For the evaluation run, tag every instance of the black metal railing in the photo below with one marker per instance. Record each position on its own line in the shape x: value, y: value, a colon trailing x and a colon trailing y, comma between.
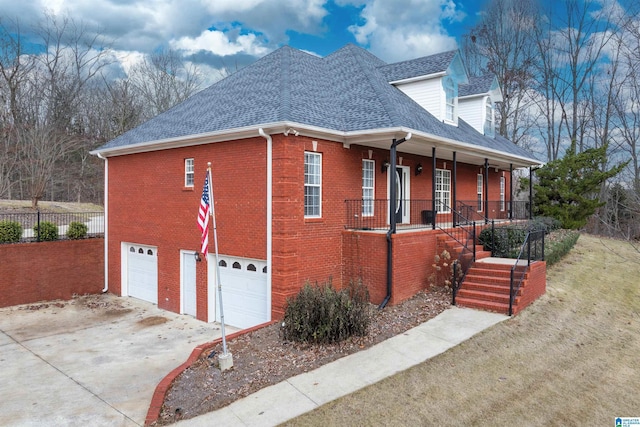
x: 373, y: 214
x: 493, y: 210
x: 533, y: 247
x: 30, y: 220
x: 465, y: 236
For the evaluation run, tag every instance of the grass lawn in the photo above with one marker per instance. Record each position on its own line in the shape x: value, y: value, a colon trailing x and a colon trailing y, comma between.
x: 570, y: 359
x: 14, y: 206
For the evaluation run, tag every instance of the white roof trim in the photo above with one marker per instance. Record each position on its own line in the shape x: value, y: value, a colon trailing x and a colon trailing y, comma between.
x: 418, y: 78
x: 373, y: 137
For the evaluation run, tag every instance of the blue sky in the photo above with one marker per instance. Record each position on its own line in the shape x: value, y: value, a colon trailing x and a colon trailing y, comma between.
x: 218, y: 34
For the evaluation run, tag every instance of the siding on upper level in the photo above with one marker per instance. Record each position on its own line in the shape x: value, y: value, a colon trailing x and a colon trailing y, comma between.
x: 429, y: 94
x: 472, y: 111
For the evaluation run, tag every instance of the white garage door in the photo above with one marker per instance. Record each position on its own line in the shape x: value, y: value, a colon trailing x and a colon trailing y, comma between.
x: 142, y: 272
x: 244, y: 290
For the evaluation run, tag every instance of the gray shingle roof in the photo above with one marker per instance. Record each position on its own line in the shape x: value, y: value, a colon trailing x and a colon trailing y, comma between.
x: 477, y: 85
x: 345, y: 91
x: 418, y: 67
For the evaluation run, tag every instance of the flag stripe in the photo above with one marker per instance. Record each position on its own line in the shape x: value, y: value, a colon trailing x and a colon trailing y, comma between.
x: 203, y: 216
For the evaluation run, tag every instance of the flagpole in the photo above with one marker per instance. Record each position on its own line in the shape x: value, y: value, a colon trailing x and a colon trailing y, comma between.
x: 226, y: 357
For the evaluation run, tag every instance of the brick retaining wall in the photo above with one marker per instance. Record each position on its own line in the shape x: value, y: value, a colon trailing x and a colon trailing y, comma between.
x: 45, y: 271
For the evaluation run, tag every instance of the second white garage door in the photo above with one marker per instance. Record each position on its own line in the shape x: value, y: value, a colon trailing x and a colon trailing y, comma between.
x: 244, y: 290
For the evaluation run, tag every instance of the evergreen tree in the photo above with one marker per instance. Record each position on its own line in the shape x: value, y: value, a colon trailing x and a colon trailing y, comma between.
x: 567, y: 189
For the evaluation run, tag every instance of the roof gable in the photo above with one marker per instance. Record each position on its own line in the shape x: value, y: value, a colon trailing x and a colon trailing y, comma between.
x: 481, y: 86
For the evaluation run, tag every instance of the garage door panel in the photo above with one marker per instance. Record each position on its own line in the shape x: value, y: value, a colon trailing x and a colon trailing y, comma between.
x: 142, y: 273
x: 244, y: 292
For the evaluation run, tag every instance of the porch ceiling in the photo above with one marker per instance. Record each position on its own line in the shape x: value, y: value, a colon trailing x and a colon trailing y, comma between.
x: 422, y: 145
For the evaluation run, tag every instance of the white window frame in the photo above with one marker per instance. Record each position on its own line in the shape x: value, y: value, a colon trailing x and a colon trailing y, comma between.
x: 450, y: 100
x: 189, y: 172
x: 489, y: 120
x: 443, y: 176
x: 479, y: 189
x: 312, y: 185
x: 502, y: 194
x: 368, y: 187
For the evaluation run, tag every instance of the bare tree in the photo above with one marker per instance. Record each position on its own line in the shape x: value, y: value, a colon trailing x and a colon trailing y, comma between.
x: 163, y: 80
x: 41, y: 146
x: 15, y: 67
x: 503, y: 44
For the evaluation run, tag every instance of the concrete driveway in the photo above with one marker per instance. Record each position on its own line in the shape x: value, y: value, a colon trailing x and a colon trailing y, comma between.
x: 95, y: 360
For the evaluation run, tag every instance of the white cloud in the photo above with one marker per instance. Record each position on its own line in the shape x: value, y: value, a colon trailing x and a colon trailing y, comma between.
x: 218, y: 42
x: 406, y: 29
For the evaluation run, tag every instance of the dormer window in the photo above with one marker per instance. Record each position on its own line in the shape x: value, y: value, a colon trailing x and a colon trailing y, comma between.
x: 489, y: 122
x: 450, y: 95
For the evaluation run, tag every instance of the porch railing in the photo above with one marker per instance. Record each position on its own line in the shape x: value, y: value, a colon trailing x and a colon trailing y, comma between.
x: 494, y: 209
x: 373, y: 214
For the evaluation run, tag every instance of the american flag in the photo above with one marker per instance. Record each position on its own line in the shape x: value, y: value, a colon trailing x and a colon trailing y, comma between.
x: 203, y: 216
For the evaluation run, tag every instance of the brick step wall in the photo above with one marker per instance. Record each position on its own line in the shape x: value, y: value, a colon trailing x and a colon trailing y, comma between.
x: 487, y: 284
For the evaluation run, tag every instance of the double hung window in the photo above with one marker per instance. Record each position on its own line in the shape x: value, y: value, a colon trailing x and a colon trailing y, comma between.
x: 443, y: 190
x: 367, y: 187
x: 479, y: 192
x: 312, y: 185
x: 188, y: 172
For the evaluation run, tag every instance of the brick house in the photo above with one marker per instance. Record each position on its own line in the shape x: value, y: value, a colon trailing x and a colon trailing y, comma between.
x: 300, y: 148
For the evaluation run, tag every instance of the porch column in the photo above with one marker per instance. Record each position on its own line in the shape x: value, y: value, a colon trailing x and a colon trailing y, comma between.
x: 392, y: 184
x: 530, y: 192
x: 510, y: 191
x: 453, y: 190
x: 433, y: 188
x: 486, y: 190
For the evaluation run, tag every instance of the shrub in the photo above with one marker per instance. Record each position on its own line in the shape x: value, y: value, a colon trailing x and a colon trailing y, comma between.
x: 321, y: 314
x: 77, y: 230
x: 47, y: 231
x: 558, y: 245
x: 505, y: 241
x: 442, y: 275
x: 10, y: 231
x: 546, y: 223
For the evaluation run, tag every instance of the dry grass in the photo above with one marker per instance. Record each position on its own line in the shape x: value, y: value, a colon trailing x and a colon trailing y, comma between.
x: 569, y: 359
x: 15, y: 206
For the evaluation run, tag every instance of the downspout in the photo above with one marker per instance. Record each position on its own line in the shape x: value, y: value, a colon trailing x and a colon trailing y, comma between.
x: 269, y: 213
x: 392, y: 215
x: 106, y: 223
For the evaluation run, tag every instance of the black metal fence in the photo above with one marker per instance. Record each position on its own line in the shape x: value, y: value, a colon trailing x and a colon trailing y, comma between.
x: 30, y: 220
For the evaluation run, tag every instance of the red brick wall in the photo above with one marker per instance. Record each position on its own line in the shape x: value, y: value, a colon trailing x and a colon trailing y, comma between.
x: 535, y: 285
x: 413, y: 255
x: 365, y: 257
x: 31, y: 272
x: 149, y: 205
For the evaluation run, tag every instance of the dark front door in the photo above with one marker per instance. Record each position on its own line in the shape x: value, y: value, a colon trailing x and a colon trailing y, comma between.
x: 399, y: 195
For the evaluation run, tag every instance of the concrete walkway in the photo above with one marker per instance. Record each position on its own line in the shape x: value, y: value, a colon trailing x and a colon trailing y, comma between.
x: 95, y: 361
x: 295, y: 396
